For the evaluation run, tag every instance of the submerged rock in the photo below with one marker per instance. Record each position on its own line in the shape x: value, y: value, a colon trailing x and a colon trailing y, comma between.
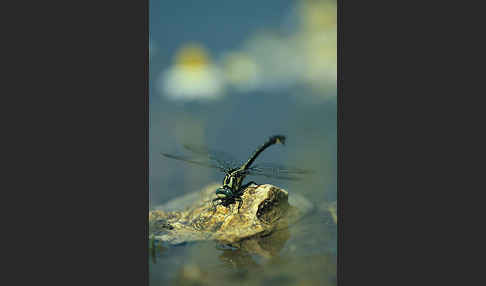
x: 265, y: 209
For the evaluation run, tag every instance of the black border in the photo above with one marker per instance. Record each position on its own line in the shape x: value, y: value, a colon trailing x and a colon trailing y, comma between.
x: 82, y: 143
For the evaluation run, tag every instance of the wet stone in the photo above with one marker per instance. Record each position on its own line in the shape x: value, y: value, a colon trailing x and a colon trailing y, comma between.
x: 265, y: 209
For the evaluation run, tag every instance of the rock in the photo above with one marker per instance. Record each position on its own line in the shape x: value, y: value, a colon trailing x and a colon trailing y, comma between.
x: 265, y: 209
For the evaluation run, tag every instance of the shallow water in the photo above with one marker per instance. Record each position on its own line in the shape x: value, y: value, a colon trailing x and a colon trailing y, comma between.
x: 304, y: 254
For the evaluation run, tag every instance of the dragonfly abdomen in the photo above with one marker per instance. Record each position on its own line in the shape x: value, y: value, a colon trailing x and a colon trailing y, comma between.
x: 272, y: 140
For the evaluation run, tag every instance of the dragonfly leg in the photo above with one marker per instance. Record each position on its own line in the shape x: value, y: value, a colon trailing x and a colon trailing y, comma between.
x: 240, y: 202
x: 213, y: 206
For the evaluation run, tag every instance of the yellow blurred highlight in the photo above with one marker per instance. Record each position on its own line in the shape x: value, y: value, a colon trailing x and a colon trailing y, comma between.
x: 192, y: 76
x: 317, y: 40
x: 268, y: 60
x: 192, y: 55
x: 317, y: 15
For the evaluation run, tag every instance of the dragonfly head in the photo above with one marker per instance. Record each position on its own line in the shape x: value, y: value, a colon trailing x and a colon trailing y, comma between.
x: 223, y: 192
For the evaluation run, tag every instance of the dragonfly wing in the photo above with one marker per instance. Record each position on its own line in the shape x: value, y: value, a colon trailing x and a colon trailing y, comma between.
x: 272, y: 175
x: 277, y: 171
x: 280, y: 169
x: 194, y: 161
x: 224, y: 159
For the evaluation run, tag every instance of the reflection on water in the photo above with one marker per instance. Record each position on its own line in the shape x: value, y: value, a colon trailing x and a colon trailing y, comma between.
x: 298, y: 255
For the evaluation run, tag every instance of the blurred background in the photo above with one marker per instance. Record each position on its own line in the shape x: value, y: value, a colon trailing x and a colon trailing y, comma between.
x: 229, y: 74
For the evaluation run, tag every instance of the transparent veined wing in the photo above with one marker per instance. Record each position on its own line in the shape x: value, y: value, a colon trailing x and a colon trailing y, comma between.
x: 223, y: 159
x: 277, y: 171
x: 196, y: 161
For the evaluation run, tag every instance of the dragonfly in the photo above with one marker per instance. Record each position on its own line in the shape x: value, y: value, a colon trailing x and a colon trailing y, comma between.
x: 235, y: 171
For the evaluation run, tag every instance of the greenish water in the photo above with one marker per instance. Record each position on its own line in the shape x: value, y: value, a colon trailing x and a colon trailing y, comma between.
x: 304, y: 254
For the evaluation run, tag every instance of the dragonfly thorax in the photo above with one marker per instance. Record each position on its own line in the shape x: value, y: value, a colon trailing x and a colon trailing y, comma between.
x: 233, y: 180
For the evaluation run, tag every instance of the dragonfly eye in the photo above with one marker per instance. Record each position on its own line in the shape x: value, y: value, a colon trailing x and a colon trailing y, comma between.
x: 222, y: 193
